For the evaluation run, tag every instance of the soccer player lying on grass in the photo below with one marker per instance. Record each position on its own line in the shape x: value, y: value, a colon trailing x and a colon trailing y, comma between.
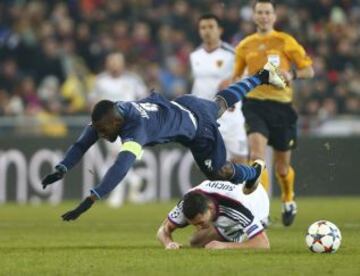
x: 188, y: 120
x: 224, y: 217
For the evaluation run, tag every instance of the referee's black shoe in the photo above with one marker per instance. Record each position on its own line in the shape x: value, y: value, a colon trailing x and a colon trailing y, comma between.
x: 251, y: 185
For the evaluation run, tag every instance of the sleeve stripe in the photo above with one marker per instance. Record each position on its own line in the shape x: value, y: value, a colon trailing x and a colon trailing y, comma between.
x: 95, y: 193
x: 133, y: 147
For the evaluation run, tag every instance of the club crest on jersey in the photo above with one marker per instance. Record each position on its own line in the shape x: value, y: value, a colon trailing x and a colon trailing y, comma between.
x: 219, y: 63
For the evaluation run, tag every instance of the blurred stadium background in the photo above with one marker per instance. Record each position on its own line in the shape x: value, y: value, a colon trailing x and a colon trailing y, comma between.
x: 51, y: 53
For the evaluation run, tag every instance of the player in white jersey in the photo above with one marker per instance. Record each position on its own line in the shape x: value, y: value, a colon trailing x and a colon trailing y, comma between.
x: 211, y: 64
x: 223, y: 215
x: 116, y: 84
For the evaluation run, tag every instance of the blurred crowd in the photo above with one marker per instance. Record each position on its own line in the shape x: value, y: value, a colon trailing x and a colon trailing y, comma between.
x: 52, y: 51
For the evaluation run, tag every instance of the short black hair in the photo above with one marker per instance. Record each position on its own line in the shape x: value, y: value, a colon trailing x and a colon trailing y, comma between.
x: 272, y: 2
x: 194, y: 203
x: 207, y: 16
x: 101, y: 109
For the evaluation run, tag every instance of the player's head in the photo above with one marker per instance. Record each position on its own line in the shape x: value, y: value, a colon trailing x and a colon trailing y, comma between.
x: 210, y: 29
x: 264, y: 15
x: 106, y: 120
x: 115, y: 63
x: 198, y: 209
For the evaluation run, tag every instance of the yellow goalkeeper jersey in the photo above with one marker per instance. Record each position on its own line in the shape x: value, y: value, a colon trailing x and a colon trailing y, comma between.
x: 281, y: 49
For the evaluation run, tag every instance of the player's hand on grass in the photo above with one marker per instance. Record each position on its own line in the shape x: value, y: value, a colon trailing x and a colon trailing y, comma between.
x: 59, y: 173
x: 215, y: 245
x: 83, y: 207
x: 173, y: 245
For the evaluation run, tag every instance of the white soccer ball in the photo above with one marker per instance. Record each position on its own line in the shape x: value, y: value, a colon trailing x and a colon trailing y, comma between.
x: 323, y: 237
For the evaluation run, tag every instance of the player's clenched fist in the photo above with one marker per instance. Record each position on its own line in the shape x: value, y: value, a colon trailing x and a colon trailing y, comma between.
x: 173, y: 245
x: 59, y: 173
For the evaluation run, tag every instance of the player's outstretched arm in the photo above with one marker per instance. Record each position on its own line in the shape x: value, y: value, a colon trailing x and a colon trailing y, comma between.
x: 113, y: 177
x: 115, y: 174
x: 164, y: 235
x: 87, y: 138
x: 260, y: 241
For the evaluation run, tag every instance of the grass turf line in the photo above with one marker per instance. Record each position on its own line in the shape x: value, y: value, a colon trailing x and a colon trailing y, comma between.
x: 104, y: 241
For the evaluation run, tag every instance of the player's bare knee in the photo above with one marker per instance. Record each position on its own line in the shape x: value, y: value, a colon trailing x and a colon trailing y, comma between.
x: 282, y: 169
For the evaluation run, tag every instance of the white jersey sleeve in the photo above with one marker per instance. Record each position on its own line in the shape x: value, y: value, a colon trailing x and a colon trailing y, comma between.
x: 176, y: 215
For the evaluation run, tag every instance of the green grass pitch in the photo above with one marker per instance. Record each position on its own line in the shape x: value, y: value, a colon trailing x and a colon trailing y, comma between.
x: 104, y: 241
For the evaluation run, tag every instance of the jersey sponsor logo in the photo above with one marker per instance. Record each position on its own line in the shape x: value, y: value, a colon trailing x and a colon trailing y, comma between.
x: 150, y: 107
x: 143, y: 108
x: 142, y: 111
x: 221, y: 186
x: 274, y: 59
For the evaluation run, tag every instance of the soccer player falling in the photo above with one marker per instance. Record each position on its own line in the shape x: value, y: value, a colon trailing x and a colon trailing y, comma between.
x: 188, y: 120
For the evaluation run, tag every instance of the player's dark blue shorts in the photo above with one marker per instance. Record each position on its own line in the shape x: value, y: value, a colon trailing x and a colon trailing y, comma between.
x: 208, y: 146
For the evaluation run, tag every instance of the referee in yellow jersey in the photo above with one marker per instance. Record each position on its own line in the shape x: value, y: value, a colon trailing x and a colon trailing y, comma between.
x: 269, y: 115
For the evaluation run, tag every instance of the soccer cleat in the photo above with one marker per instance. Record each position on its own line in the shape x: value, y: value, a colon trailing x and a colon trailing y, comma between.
x: 288, y: 211
x: 251, y: 185
x: 275, y: 77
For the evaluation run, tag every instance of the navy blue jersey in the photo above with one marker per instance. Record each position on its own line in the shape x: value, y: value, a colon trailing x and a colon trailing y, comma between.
x: 188, y: 120
x: 155, y: 120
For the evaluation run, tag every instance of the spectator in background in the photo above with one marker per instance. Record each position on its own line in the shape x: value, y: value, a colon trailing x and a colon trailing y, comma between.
x: 172, y: 82
x: 118, y: 84
x: 28, y: 93
x: 9, y: 75
x: 75, y: 89
x: 49, y: 63
x: 163, y: 30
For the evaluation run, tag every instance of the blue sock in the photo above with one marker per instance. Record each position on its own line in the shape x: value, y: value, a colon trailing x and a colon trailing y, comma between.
x: 242, y: 173
x: 237, y: 91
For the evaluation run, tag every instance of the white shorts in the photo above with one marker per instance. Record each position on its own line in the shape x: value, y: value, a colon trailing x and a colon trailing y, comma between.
x: 232, y: 129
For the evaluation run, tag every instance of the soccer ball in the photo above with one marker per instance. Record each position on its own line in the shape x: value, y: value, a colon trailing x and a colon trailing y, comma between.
x: 323, y: 237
